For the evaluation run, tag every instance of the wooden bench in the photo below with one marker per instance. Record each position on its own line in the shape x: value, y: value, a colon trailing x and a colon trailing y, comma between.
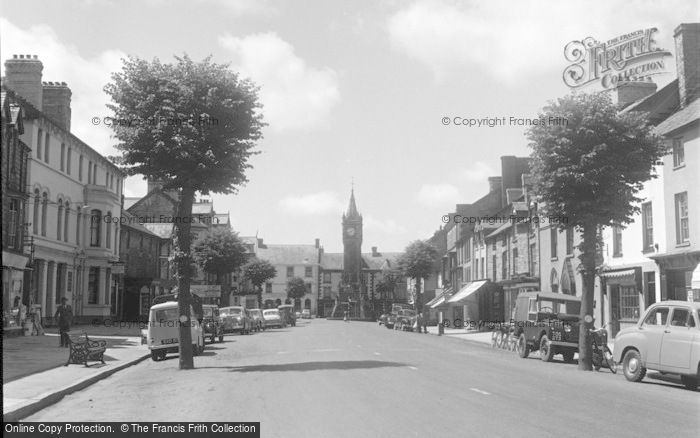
x: 82, y: 350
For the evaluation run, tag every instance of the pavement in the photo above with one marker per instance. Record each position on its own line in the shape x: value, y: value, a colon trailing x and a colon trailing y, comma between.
x: 332, y: 378
x: 34, y: 375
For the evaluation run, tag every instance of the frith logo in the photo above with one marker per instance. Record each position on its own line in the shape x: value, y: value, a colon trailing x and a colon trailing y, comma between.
x: 630, y: 57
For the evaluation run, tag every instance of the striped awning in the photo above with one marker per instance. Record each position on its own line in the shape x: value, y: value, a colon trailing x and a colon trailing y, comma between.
x: 467, y: 290
x: 627, y: 273
x: 436, y: 302
x: 695, y: 279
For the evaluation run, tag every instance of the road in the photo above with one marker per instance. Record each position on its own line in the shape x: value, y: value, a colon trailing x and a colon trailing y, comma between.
x: 335, y: 379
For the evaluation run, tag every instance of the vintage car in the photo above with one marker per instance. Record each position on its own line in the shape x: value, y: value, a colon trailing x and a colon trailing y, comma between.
x: 306, y: 314
x: 257, y: 319
x: 163, y: 335
x: 548, y: 322
x: 212, y: 323
x: 405, y: 320
x: 272, y: 318
x: 666, y: 339
x: 382, y: 318
x: 288, y: 315
x: 391, y: 320
x: 235, y: 319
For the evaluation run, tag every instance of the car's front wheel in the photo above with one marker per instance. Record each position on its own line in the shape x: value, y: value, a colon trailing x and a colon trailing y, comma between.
x: 523, y: 348
x: 546, y: 349
x: 632, y: 366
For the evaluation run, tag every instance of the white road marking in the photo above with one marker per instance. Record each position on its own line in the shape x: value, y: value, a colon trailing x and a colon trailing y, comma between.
x: 377, y: 354
x: 323, y: 350
x: 281, y: 352
x: 413, y: 368
x: 480, y: 391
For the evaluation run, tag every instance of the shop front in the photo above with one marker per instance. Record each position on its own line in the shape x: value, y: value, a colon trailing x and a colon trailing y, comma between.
x: 623, y: 299
x: 677, y: 272
x: 14, y: 303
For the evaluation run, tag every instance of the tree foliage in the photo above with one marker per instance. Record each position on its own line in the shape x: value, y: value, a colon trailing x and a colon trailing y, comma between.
x: 219, y: 251
x: 588, y: 172
x: 258, y: 271
x: 418, y: 259
x: 296, y: 288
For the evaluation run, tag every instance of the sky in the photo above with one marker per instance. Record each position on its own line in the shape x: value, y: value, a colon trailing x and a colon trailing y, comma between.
x: 353, y: 91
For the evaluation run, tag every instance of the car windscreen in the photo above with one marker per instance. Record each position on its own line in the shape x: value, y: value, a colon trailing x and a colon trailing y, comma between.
x: 164, y: 315
x: 231, y: 312
x: 271, y: 313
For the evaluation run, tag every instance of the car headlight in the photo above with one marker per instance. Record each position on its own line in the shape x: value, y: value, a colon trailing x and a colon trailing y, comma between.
x: 567, y: 328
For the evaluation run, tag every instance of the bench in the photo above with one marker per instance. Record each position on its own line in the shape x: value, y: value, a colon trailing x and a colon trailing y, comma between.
x: 82, y: 350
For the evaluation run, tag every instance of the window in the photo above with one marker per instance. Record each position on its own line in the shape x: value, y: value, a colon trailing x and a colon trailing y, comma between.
x: 89, y: 172
x: 678, y: 153
x: 65, y: 222
x: 657, y: 317
x: 68, y: 160
x: 629, y: 303
x: 44, y: 207
x: 63, y: 157
x: 647, y: 227
x: 476, y: 267
x: 268, y: 288
x: 682, y: 318
x: 164, y: 269
x: 290, y: 271
x: 326, y: 277
x: 569, y: 241
x: 106, y: 179
x: 93, y: 281
x: 38, y: 143
x: 94, y: 173
x: 12, y: 226
x: 35, y: 220
x: 69, y: 281
x: 533, y: 260
x: 553, y: 236
x: 515, y: 261
x: 617, y: 241
x: 95, y: 220
x: 554, y: 281
x: 47, y: 140
x: 59, y: 220
x: 308, y: 288
x: 80, y: 168
x: 493, y: 268
x: 326, y: 291
x: 108, y: 230
x: 77, y: 226
x: 308, y: 271
x: 650, y: 280
x: 504, y: 265
x: 682, y: 231
x: 483, y: 267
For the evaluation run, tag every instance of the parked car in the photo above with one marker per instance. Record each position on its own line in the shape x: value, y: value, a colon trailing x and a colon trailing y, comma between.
x: 212, y: 323
x: 256, y: 317
x: 405, y: 319
x: 288, y: 315
x: 548, y: 322
x: 391, y: 320
x: 235, y: 319
x: 306, y: 314
x: 164, y: 331
x: 382, y: 319
x: 272, y: 318
x: 666, y: 339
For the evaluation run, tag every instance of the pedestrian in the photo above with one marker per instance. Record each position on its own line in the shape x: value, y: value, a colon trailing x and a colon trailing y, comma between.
x: 425, y: 324
x: 64, y: 317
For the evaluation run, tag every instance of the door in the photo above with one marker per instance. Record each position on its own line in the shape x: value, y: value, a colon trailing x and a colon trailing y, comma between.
x: 614, y: 309
x: 653, y: 330
x: 677, y: 340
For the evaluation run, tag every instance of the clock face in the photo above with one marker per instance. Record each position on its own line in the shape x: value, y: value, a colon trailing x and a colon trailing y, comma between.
x: 350, y: 231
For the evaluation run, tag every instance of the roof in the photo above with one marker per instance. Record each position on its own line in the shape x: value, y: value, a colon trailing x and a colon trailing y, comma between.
x: 289, y: 254
x: 205, y: 207
x: 352, y: 207
x: 128, y: 202
x: 222, y: 219
x: 679, y: 119
x: 164, y: 230
x: 132, y: 222
x: 332, y: 261
x: 384, y: 260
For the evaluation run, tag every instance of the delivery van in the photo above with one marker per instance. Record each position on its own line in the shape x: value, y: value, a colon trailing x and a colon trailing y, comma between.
x: 163, y: 331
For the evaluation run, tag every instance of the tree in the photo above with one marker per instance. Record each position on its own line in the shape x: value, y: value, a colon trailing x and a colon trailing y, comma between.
x: 417, y: 263
x: 588, y: 172
x: 258, y: 271
x: 192, y: 126
x: 296, y: 288
x: 387, y: 285
x: 219, y: 252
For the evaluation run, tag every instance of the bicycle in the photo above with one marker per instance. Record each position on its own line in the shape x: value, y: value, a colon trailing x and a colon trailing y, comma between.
x: 600, y: 352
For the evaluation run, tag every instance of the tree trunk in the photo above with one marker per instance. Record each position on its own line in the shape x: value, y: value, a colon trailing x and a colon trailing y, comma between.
x: 418, y: 302
x: 588, y: 256
x: 184, y: 266
x: 259, y: 294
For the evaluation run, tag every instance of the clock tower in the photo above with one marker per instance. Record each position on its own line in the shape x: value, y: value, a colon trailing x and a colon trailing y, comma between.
x: 352, y: 245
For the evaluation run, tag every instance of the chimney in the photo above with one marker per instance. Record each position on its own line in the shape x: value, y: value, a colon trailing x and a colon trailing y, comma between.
x: 495, y: 183
x: 512, y: 195
x: 317, y: 242
x: 512, y: 170
x: 23, y: 76
x: 56, y: 103
x: 687, y: 37
x: 632, y: 91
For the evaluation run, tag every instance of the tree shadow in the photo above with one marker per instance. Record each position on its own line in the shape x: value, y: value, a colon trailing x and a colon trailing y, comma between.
x: 313, y: 366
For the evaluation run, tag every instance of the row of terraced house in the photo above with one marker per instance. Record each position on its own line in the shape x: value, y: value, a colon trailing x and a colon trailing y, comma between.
x: 487, y: 262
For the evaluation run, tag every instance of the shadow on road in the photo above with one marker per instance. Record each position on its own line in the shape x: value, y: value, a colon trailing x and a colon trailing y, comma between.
x: 662, y: 379
x: 314, y: 366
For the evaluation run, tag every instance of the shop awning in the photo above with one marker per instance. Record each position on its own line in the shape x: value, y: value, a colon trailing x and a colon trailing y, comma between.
x: 627, y: 273
x: 436, y: 301
x: 467, y: 290
x: 695, y: 279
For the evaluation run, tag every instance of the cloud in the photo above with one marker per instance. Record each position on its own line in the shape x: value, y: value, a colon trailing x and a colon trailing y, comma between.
x: 387, y: 226
x: 295, y: 96
x: 506, y: 39
x: 438, y: 194
x: 477, y: 172
x: 244, y: 7
x: 320, y: 203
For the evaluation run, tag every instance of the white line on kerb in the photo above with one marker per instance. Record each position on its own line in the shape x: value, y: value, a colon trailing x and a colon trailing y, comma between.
x: 480, y: 391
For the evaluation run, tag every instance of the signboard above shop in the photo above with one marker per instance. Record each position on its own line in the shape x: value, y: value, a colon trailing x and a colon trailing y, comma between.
x: 206, y: 290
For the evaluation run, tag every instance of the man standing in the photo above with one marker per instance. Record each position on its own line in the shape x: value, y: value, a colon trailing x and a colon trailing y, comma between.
x: 64, y: 316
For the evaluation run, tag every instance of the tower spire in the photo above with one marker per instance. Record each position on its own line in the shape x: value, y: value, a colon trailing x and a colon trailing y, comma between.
x: 352, y: 207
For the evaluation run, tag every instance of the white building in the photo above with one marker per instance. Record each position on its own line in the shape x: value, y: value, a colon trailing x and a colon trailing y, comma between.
x: 74, y: 194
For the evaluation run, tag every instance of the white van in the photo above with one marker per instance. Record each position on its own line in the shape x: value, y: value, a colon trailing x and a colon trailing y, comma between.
x: 163, y: 331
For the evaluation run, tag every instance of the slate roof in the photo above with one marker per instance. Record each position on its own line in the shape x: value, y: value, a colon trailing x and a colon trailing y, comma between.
x: 161, y: 229
x: 128, y: 202
x: 203, y: 208
x: 388, y: 260
x: 289, y: 254
x: 689, y: 114
x: 222, y: 219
